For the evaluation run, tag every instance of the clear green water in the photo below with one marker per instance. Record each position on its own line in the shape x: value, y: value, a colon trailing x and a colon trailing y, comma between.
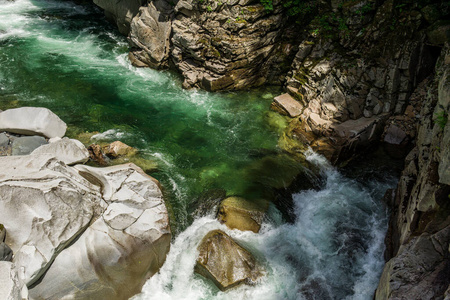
x: 68, y: 58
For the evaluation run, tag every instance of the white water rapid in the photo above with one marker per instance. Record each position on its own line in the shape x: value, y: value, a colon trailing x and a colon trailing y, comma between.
x: 334, y: 250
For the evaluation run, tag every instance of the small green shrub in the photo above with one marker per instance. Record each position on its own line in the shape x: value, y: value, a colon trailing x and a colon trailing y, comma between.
x: 441, y: 119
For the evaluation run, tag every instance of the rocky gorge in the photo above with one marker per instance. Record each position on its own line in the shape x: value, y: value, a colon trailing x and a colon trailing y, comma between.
x: 355, y: 75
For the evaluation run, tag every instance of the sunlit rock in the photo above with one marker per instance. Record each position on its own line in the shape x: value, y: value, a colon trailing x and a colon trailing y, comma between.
x: 69, y: 151
x: 117, y: 148
x: 11, y: 286
x: 95, y: 233
x: 114, y: 257
x: 32, y: 121
x: 242, y: 214
x: 226, y: 263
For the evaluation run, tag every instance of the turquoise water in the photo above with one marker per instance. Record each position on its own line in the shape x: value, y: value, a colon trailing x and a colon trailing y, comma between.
x: 66, y: 57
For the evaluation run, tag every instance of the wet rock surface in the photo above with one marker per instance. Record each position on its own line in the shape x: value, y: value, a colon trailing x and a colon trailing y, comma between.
x: 225, y: 262
x: 242, y: 214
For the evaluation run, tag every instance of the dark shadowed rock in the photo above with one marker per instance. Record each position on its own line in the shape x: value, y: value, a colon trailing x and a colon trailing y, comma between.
x: 6, y: 253
x: 27, y: 144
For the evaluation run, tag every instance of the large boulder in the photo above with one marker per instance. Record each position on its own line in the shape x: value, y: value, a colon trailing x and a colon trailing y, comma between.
x: 150, y: 35
x: 55, y: 205
x: 11, y: 287
x: 67, y: 150
x: 32, y: 121
x: 94, y: 233
x: 114, y: 257
x: 226, y: 263
x: 242, y: 214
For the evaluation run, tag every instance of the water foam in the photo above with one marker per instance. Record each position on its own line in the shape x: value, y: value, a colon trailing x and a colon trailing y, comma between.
x: 332, y: 251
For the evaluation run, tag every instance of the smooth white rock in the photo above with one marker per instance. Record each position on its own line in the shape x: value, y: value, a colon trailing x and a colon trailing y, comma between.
x: 31, y: 121
x: 118, y: 252
x: 69, y: 151
x: 44, y: 205
x: 11, y: 287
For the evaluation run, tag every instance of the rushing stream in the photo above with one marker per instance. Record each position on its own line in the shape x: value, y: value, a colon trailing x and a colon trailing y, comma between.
x: 66, y: 57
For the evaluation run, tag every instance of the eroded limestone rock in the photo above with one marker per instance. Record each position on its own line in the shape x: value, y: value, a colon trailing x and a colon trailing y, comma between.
x: 225, y: 262
x: 67, y: 150
x: 116, y: 254
x: 55, y: 206
x: 11, y: 286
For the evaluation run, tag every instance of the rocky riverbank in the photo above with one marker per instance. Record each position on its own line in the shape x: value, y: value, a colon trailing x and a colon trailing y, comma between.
x: 67, y: 229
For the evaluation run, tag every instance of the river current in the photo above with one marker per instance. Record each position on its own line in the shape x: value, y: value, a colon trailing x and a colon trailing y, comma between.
x: 65, y: 56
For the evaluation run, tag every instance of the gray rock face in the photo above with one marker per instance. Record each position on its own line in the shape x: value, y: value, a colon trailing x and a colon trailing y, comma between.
x: 418, y: 239
x: 225, y: 262
x: 419, y: 269
x: 150, y: 35
x: 27, y: 144
x: 32, y: 121
x: 360, y: 71
x: 11, y: 287
x: 120, y: 12
x: 216, y: 45
x: 69, y: 151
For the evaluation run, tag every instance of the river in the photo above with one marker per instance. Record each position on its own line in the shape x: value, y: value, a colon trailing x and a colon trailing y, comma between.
x: 65, y: 56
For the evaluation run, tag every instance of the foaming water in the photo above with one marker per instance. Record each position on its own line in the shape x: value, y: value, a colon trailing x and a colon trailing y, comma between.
x: 334, y: 249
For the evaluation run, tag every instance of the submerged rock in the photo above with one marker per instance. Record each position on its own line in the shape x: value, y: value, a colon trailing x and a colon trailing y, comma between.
x: 226, y: 263
x: 117, y: 148
x: 67, y: 150
x: 32, y: 121
x: 242, y: 214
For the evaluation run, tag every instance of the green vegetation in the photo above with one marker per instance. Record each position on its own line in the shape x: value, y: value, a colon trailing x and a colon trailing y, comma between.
x: 441, y: 119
